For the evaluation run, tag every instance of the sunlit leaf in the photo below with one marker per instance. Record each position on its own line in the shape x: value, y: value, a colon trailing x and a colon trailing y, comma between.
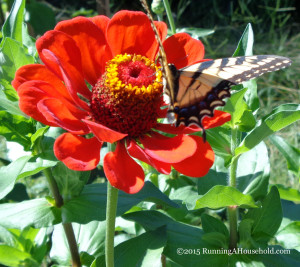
x: 291, y: 153
x: 16, y: 128
x: 288, y: 193
x: 245, y: 45
x: 36, y: 213
x: 70, y: 183
x: 289, y: 236
x: 144, y: 250
x: 253, y: 171
x: 91, y: 204
x: 12, y: 56
x: 13, y: 24
x: 279, y: 118
x: 223, y: 196
x: 89, y: 237
x: 267, y: 219
x: 185, y: 245
x: 34, y: 166
x: 9, y: 174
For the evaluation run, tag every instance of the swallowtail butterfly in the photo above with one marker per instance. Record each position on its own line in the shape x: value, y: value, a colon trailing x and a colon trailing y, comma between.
x: 195, y: 91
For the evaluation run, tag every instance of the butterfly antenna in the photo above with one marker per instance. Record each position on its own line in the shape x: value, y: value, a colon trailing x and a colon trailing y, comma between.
x: 167, y: 74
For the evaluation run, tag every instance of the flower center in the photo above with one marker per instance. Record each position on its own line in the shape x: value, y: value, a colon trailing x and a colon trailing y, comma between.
x: 128, y: 96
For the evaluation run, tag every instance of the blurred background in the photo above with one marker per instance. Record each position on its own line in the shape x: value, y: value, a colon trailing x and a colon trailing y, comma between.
x: 219, y: 25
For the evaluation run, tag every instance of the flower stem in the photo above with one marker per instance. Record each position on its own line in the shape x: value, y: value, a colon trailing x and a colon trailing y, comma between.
x: 170, y: 17
x: 67, y: 226
x: 53, y: 188
x: 72, y: 244
x: 232, y: 211
x: 111, y: 209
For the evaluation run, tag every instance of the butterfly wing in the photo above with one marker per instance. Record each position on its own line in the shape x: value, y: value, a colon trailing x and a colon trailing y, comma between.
x: 203, y: 86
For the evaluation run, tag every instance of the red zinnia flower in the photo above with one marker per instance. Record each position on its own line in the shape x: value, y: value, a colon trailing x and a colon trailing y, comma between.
x: 115, y: 58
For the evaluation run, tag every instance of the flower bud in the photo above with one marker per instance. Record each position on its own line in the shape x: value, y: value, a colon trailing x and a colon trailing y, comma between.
x: 157, y: 7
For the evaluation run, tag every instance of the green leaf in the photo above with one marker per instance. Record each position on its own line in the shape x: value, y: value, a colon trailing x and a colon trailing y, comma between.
x: 8, y: 90
x: 251, y: 96
x: 267, y: 219
x: 8, y: 238
x: 46, y: 143
x: 185, y: 245
x: 9, y: 106
x: 279, y: 118
x: 38, y: 135
x: 253, y: 172
x: 245, y: 45
x: 13, y: 24
x: 9, y: 174
x: 187, y: 194
x: 241, y: 115
x: 288, y: 193
x: 244, y: 231
x: 291, y: 153
x: 245, y: 48
x: 16, y: 128
x: 89, y: 237
x: 289, y: 236
x: 91, y: 203
x: 14, y: 258
x: 272, y: 257
x: 34, y: 166
x: 144, y: 250
x: 12, y: 56
x: 196, y: 32
x: 41, y: 17
x: 236, y: 106
x: 216, y: 239
x: 223, y: 196
x: 217, y: 175
x: 70, y: 183
x: 290, y: 210
x: 211, y: 224
x: 219, y: 139
x: 36, y: 213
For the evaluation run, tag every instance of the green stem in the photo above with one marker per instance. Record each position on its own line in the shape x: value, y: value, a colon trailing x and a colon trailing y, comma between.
x: 232, y: 211
x: 111, y: 210
x: 54, y: 188
x: 67, y: 226
x: 170, y: 17
x: 232, y: 216
x: 72, y: 244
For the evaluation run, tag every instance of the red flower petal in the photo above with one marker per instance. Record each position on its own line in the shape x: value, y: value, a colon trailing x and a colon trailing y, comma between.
x: 104, y: 133
x: 137, y: 152
x: 101, y: 22
x: 60, y: 53
x: 122, y: 171
x: 219, y: 118
x: 162, y: 29
x: 172, y: 129
x: 169, y: 150
x: 92, y: 44
x: 183, y: 50
x: 76, y: 152
x: 56, y: 112
x: 31, y: 94
x: 131, y: 32
x: 199, y: 164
